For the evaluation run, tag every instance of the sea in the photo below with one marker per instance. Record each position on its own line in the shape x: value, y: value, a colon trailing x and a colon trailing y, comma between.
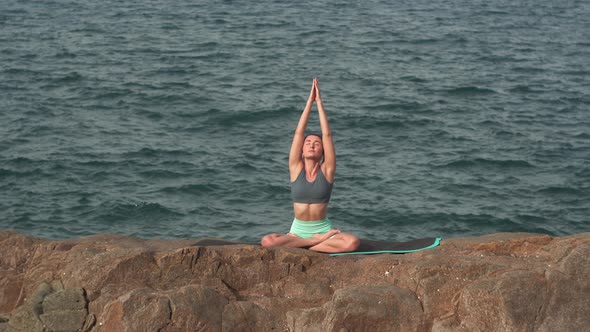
x: 174, y: 119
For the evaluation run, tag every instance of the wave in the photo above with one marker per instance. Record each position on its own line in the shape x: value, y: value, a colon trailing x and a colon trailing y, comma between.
x: 577, y: 72
x: 423, y: 41
x: 113, y: 211
x: 161, y: 174
x: 109, y: 93
x: 414, y: 79
x: 582, y: 136
x: 20, y: 71
x: 371, y: 123
x: 524, y: 89
x: 244, y: 118
x: 197, y: 189
x: 529, y: 70
x: 558, y: 190
x: 7, y: 173
x: 463, y: 187
x: 155, y: 153
x: 400, y: 106
x: 384, y: 122
x: 244, y: 167
x: 65, y: 54
x: 487, y: 163
x: 90, y: 29
x: 467, y: 91
x: 170, y: 26
x: 71, y: 77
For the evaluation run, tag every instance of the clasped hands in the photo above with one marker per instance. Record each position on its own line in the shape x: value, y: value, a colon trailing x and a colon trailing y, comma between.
x: 314, y: 94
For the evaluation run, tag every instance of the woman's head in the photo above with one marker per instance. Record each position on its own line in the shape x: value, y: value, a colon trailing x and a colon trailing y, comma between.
x: 313, y: 147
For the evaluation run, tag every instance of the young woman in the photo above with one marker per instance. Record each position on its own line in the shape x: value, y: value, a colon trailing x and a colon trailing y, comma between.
x: 312, y: 164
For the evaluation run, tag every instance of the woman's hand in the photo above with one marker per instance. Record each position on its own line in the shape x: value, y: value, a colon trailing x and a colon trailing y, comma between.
x: 316, y: 87
x: 326, y: 236
x: 312, y: 93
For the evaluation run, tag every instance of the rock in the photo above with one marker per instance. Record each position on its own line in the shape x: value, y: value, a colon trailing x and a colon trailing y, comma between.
x: 25, y: 319
x: 64, y: 320
x: 142, y: 309
x: 48, y: 309
x: 4, y: 327
x: 373, y: 308
x: 509, y: 302
x: 498, y: 282
x: 362, y: 308
x: 568, y: 305
x: 183, y: 309
x: 196, y: 306
x: 65, y: 299
x: 64, y: 310
x: 242, y: 316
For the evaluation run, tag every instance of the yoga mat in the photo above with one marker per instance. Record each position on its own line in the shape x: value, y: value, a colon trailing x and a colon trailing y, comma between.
x: 366, y: 247
x: 370, y: 247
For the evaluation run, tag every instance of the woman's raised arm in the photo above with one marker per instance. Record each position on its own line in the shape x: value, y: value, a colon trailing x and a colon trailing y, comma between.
x: 329, y: 165
x: 295, y: 161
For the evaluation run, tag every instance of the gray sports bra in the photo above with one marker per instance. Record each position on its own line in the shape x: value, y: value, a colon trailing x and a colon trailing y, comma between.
x: 318, y: 191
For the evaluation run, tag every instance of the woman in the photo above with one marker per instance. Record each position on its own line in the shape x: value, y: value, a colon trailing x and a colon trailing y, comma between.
x: 311, y: 188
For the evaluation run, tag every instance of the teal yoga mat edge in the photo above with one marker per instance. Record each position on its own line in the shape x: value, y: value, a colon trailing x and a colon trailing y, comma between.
x: 434, y: 244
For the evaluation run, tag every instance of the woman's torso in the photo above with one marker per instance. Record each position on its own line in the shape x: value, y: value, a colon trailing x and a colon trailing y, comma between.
x: 310, y: 212
x: 311, y: 195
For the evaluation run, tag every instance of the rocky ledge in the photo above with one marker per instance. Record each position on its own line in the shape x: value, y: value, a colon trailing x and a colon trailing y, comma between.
x: 500, y: 282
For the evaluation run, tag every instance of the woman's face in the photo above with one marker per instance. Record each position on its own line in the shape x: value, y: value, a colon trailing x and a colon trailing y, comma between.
x: 313, y: 148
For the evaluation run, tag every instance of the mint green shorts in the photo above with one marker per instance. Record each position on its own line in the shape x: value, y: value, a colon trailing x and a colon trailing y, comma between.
x: 306, y: 229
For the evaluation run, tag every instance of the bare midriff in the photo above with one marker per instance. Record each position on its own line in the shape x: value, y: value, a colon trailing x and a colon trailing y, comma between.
x: 310, y: 212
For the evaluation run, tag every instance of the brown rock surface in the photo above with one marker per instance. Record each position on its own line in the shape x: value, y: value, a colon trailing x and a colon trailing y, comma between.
x: 499, y: 282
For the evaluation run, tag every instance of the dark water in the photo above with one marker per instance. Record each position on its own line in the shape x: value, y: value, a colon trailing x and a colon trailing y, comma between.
x: 174, y: 119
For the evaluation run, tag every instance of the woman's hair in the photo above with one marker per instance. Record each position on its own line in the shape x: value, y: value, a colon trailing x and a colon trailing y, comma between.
x: 313, y: 134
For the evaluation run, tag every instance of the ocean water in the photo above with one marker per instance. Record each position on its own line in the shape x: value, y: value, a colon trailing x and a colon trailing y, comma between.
x: 174, y: 119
